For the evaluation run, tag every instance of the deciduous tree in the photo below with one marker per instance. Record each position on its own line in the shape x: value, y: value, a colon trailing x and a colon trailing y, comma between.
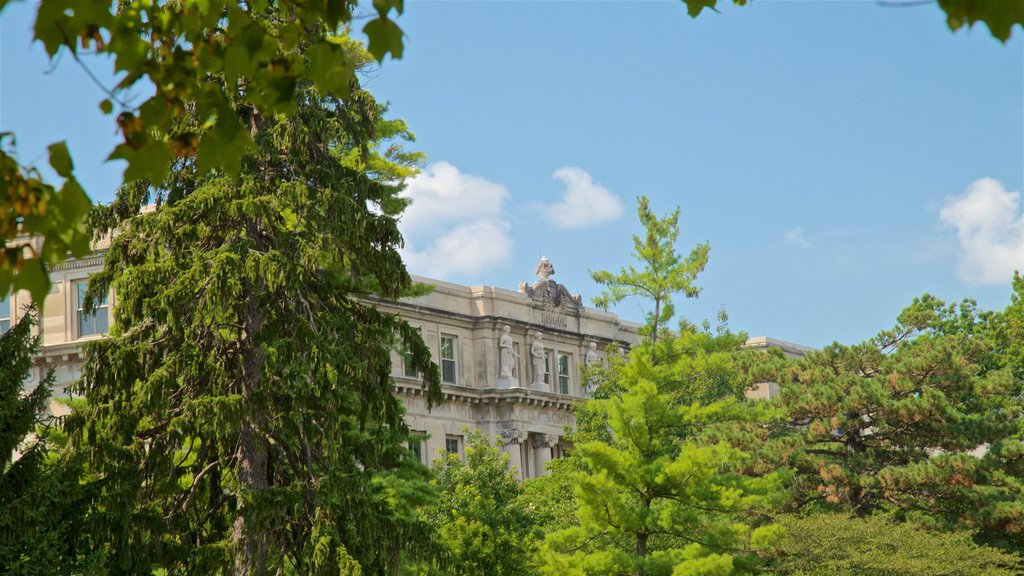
x: 836, y: 544
x: 481, y: 527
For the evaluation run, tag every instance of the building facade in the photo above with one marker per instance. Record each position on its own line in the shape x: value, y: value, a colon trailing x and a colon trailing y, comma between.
x: 510, y: 360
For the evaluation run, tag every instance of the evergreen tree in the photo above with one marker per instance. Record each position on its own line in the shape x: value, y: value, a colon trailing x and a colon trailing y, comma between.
x: 664, y: 272
x: 40, y: 498
x: 922, y: 420
x: 240, y: 415
x: 23, y: 534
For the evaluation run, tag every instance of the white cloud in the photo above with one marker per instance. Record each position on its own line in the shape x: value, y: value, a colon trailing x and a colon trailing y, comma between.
x: 990, y: 228
x: 455, y: 224
x: 796, y: 237
x: 464, y: 249
x: 584, y: 202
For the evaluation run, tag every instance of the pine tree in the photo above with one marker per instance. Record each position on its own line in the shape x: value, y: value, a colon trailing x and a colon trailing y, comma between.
x: 921, y: 420
x: 240, y: 415
x: 22, y: 532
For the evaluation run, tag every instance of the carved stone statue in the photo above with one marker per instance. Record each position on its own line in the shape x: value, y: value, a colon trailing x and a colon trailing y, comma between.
x: 550, y: 293
x: 537, y: 361
x: 506, y: 359
x: 544, y: 268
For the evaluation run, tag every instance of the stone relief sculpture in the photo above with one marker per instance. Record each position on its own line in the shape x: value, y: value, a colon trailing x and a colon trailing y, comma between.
x: 506, y: 359
x: 537, y: 361
x: 512, y: 436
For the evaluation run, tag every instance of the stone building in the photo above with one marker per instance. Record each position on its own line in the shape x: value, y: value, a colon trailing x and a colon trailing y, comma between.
x: 510, y: 360
x: 521, y: 389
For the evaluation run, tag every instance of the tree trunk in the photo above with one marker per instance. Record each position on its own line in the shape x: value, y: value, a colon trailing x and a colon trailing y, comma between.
x: 657, y: 317
x: 641, y: 553
x: 251, y: 542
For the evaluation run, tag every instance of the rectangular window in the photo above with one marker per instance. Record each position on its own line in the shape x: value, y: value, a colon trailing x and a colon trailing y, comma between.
x: 448, y: 359
x: 453, y: 444
x: 5, y: 313
x: 416, y: 446
x: 563, y: 373
x: 408, y: 370
x: 547, y: 367
x: 95, y: 323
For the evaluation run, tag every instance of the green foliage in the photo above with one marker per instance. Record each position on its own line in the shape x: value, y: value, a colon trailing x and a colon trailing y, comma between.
x: 653, y: 495
x: 263, y: 50
x: 923, y: 420
x: 240, y: 415
x: 830, y: 544
x: 551, y: 500
x: 257, y: 48
x: 481, y: 529
x: 30, y: 205
x: 25, y: 537
x: 40, y: 498
x: 664, y: 271
x: 999, y: 15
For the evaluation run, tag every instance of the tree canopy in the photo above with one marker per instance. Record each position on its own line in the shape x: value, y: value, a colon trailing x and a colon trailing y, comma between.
x: 480, y: 527
x: 655, y: 495
x: 922, y: 421
x: 835, y: 544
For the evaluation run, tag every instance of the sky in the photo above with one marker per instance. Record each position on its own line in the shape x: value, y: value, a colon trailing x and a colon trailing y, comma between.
x: 840, y: 158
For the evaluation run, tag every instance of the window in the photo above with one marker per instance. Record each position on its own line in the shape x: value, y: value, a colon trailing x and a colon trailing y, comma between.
x: 448, y: 359
x: 453, y: 444
x: 563, y: 373
x: 5, y: 313
x: 547, y: 367
x: 408, y: 369
x: 416, y: 446
x: 95, y: 323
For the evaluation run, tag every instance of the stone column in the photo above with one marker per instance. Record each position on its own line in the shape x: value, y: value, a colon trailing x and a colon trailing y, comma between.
x: 542, y: 451
x: 511, y: 444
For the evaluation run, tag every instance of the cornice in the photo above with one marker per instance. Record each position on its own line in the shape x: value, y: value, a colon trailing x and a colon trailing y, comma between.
x: 467, y: 395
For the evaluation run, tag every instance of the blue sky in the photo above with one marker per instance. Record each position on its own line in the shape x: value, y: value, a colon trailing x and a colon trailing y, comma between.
x: 840, y: 157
